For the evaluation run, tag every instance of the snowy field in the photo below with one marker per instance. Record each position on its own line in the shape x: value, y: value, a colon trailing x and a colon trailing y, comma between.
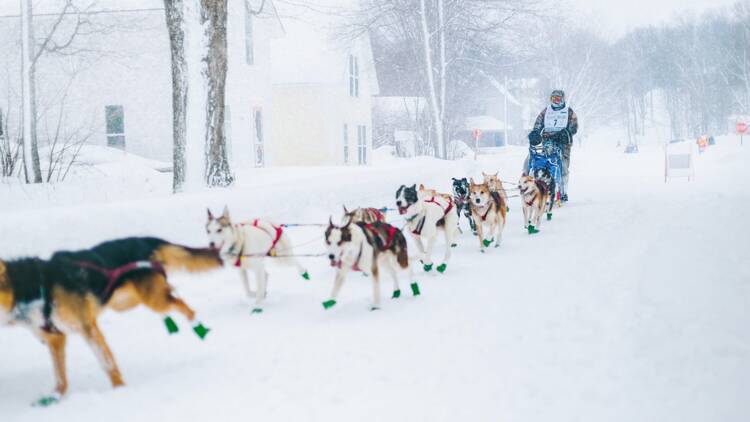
x: 631, y: 305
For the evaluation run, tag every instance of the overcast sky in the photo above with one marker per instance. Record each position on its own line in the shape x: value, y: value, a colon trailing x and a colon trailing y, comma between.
x: 611, y: 17
x: 617, y: 17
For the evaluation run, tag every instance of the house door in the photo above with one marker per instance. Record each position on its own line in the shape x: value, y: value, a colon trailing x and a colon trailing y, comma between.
x: 258, y: 145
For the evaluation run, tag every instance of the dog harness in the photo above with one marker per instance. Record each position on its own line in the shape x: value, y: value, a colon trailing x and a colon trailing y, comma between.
x: 446, y: 210
x: 276, y: 236
x: 114, y: 275
x: 391, y: 235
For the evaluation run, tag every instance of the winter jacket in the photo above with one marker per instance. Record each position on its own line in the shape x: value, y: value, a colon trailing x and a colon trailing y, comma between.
x: 565, y: 136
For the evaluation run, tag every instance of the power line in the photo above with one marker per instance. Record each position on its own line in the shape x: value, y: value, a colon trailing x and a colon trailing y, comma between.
x: 93, y: 12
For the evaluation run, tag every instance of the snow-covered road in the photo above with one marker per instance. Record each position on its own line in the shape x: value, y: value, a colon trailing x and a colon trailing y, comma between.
x: 632, y: 304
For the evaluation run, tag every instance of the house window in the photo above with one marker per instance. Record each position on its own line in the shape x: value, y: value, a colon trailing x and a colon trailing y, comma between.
x: 346, y: 144
x: 115, y: 122
x: 249, y: 52
x: 353, y: 76
x: 362, y: 145
x: 260, y: 159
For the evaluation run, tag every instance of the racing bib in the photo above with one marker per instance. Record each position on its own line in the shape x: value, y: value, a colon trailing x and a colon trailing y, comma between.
x: 555, y: 120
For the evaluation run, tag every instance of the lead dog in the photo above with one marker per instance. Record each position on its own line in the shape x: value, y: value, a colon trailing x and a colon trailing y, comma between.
x: 370, y: 248
x: 66, y: 294
x: 425, y: 215
x: 488, y: 209
x: 534, y: 196
x: 247, y: 246
x: 461, y: 201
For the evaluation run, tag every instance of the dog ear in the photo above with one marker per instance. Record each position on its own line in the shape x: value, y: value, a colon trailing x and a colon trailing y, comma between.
x: 485, y: 174
x: 496, y: 173
x: 414, y: 186
x: 346, y: 211
x: 330, y: 221
x: 210, y: 216
x: 471, y: 180
x: 421, y: 186
x: 225, y: 213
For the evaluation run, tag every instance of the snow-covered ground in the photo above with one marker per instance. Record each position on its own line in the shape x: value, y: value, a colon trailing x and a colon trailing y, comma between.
x: 632, y: 304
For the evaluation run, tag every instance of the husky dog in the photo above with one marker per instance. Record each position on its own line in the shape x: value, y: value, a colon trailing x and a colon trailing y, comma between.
x: 425, y: 215
x: 495, y: 185
x: 461, y: 200
x: 545, y: 177
x: 363, y: 215
x: 370, y: 248
x: 67, y: 293
x: 488, y: 209
x: 534, y: 196
x: 247, y: 245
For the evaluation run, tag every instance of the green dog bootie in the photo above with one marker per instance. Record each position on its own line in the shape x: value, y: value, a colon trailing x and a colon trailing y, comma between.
x: 427, y: 267
x: 533, y: 230
x: 415, y: 289
x: 305, y: 275
x: 441, y: 268
x: 257, y: 311
x: 200, y: 330
x: 171, y: 325
x: 328, y: 304
x: 47, y: 400
x: 549, y: 216
x: 487, y: 242
x: 396, y: 294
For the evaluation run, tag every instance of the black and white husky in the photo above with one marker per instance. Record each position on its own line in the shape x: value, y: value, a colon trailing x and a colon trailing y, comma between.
x: 370, y: 248
x: 426, y: 213
x: 247, y: 246
x: 461, y: 200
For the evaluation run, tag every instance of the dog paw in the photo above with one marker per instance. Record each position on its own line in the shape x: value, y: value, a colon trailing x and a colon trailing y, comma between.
x: 427, y: 267
x: 486, y: 242
x: 257, y: 311
x: 328, y: 304
x: 171, y: 325
x: 374, y: 308
x: 415, y: 289
x: 306, y: 275
x: 396, y: 294
x: 441, y: 268
x: 49, y: 400
x: 533, y: 230
x: 549, y: 216
x: 201, y: 330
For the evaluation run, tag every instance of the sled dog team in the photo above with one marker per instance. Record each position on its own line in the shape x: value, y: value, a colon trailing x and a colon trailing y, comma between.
x: 66, y: 293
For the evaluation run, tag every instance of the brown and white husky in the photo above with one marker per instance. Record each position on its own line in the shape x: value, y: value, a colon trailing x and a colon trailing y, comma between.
x: 534, y: 198
x: 488, y: 209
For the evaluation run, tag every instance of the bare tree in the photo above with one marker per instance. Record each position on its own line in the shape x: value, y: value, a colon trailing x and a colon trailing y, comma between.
x: 197, y: 32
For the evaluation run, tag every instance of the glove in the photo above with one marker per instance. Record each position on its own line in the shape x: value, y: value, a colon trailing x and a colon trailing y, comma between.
x: 534, y: 138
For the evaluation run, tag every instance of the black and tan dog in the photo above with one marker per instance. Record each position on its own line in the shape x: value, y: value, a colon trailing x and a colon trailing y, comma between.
x: 65, y: 294
x: 369, y: 248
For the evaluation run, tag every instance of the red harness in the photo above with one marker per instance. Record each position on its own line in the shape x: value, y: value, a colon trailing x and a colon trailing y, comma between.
x: 391, y: 235
x: 446, y: 210
x: 114, y: 275
x: 275, y: 236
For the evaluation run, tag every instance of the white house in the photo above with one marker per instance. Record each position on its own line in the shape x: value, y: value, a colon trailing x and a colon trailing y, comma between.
x: 119, y: 91
x: 322, y: 95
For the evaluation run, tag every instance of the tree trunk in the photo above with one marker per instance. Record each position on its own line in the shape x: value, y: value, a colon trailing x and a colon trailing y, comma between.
x: 434, y: 105
x: 32, y: 167
x: 175, y: 18
x: 215, y: 12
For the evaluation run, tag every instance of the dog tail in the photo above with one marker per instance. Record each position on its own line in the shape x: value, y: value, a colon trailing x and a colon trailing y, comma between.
x: 183, y: 258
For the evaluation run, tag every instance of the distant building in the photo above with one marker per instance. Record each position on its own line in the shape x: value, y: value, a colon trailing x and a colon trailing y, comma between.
x: 118, y: 91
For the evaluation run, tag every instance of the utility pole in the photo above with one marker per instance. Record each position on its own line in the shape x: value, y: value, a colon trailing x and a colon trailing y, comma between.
x: 28, y: 53
x: 505, y: 110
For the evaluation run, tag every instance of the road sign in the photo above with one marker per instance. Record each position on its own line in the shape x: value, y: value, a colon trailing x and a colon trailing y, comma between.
x: 741, y: 128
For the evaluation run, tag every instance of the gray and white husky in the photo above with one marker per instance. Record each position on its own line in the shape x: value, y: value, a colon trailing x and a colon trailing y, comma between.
x: 248, y: 246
